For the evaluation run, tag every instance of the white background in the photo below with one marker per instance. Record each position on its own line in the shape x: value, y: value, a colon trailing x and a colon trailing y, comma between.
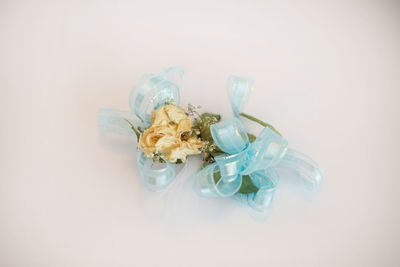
x: 327, y: 76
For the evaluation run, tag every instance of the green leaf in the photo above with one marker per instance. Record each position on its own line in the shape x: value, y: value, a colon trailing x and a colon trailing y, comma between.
x: 252, y: 137
x: 206, y: 119
x: 134, y: 129
x: 210, y: 115
x: 217, y: 176
x: 205, y: 134
x: 216, y: 152
x: 247, y: 186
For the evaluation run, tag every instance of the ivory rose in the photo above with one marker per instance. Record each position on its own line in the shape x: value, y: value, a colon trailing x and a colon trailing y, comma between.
x: 180, y: 151
x: 169, y: 113
x: 170, y: 135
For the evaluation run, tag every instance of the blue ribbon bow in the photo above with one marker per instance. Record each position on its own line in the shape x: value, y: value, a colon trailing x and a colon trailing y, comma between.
x: 257, y: 160
x: 147, y: 95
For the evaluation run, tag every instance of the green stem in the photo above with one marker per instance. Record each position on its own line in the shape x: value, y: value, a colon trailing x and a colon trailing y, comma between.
x: 134, y: 129
x: 247, y: 116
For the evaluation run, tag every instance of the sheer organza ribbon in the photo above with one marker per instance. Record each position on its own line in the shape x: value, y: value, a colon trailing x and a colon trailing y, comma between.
x: 257, y: 160
x: 147, y: 95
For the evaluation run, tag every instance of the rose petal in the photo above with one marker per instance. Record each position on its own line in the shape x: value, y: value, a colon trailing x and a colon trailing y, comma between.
x: 175, y: 113
x: 184, y: 125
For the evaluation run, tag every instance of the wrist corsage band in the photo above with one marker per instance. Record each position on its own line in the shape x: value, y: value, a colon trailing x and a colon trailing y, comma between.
x: 235, y: 163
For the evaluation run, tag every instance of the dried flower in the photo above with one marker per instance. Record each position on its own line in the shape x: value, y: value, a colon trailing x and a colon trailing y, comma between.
x: 170, y: 135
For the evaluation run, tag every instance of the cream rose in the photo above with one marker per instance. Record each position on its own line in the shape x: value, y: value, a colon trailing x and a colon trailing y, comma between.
x: 167, y: 114
x: 190, y: 147
x: 169, y: 135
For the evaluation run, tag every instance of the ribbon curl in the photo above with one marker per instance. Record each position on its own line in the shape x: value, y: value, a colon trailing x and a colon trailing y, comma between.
x: 257, y: 160
x: 147, y: 95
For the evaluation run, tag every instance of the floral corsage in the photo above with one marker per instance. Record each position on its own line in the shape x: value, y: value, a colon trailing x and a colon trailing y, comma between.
x: 235, y: 163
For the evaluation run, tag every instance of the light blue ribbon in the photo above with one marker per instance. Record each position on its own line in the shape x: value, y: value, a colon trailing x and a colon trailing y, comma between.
x: 147, y: 95
x: 239, y: 91
x: 153, y: 91
x: 258, y: 159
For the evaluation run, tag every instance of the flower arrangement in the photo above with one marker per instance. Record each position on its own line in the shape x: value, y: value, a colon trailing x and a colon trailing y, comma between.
x: 171, y: 136
x: 235, y: 163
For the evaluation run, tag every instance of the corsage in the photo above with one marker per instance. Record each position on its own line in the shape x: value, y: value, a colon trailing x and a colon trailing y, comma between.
x: 235, y: 163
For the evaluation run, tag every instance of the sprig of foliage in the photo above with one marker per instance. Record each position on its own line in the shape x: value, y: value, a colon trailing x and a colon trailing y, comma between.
x: 169, y: 101
x: 252, y: 118
x: 134, y: 129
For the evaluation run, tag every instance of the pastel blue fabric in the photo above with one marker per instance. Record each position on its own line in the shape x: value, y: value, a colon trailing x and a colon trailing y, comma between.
x: 147, y: 95
x: 153, y: 91
x: 258, y: 160
x: 239, y: 91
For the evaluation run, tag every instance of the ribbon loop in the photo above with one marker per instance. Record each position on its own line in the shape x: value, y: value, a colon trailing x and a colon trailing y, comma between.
x: 230, y: 136
x: 209, y: 183
x: 115, y: 121
x: 153, y: 91
x: 174, y: 75
x: 231, y: 166
x: 155, y: 179
x: 305, y: 168
x: 266, y: 151
x: 267, y: 181
x: 239, y: 91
